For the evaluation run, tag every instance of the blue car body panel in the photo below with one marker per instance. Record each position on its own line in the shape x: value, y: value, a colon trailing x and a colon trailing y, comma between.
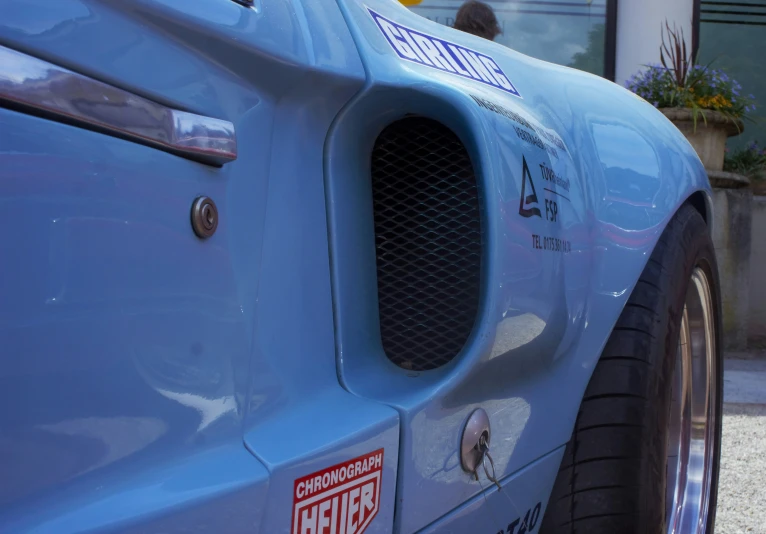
x: 154, y: 382
x: 495, y: 510
x: 546, y: 314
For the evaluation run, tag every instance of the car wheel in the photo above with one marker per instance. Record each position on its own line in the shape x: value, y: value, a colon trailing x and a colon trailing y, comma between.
x: 644, y: 454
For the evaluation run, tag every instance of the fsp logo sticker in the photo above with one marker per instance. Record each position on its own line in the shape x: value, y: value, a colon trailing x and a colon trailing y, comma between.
x: 342, y: 499
x: 531, y: 198
x: 418, y: 47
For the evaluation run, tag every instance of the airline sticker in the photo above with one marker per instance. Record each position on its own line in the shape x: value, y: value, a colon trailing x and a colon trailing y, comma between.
x: 342, y: 499
x: 418, y: 47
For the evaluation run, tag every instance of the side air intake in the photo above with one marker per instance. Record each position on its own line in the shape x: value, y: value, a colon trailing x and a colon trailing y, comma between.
x: 428, y: 241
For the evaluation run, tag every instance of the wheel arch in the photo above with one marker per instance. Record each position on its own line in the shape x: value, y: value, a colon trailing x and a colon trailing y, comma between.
x: 701, y: 202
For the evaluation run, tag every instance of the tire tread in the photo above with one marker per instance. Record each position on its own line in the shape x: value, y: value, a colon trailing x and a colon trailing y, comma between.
x: 608, y: 480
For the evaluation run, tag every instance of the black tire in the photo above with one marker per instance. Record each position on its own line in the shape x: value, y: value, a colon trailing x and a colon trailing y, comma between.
x: 612, y: 477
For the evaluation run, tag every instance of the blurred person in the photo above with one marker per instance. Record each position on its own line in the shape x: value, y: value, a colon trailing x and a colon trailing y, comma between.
x: 477, y: 18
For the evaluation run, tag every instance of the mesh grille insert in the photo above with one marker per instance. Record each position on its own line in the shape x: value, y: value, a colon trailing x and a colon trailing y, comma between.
x: 428, y: 242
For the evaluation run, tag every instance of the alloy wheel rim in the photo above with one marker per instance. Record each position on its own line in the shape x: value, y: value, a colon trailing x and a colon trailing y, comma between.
x: 693, y: 414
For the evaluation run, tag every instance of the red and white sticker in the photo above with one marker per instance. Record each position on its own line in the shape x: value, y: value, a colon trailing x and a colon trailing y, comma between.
x: 342, y: 499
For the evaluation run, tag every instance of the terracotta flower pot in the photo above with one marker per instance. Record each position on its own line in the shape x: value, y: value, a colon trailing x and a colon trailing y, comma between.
x: 709, y: 136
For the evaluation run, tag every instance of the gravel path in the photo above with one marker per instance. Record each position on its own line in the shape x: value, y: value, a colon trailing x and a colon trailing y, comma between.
x: 742, y: 488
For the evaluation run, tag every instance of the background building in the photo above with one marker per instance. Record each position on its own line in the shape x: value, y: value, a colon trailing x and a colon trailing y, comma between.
x: 615, y: 38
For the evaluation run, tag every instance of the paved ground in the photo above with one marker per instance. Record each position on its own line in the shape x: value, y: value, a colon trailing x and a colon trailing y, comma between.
x: 742, y: 490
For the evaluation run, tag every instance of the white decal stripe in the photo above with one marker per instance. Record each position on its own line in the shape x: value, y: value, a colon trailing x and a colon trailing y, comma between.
x: 458, y: 60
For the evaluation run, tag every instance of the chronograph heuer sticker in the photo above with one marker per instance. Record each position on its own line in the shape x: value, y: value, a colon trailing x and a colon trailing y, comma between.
x: 341, y: 499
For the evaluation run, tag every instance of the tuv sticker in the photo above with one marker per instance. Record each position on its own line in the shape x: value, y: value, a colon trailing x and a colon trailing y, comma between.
x: 342, y: 499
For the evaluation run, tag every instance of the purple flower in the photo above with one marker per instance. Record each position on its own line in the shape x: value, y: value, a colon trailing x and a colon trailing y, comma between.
x: 656, y: 104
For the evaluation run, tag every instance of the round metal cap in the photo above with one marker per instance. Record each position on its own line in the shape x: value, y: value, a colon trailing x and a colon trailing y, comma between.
x: 204, y: 217
x: 477, y: 424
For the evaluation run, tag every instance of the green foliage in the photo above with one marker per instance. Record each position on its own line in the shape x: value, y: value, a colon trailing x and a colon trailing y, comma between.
x: 749, y: 161
x: 678, y: 82
x: 704, y: 88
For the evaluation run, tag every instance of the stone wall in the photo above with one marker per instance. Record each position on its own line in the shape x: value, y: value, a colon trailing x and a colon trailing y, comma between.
x: 731, y: 227
x: 757, y: 293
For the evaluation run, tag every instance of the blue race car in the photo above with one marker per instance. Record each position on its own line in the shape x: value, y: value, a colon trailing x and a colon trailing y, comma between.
x: 306, y: 267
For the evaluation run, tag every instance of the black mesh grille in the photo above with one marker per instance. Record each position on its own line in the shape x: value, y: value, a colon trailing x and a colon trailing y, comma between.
x: 428, y: 242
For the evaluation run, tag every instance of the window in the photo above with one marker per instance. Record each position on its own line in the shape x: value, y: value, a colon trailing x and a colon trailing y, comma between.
x: 575, y: 33
x: 732, y: 35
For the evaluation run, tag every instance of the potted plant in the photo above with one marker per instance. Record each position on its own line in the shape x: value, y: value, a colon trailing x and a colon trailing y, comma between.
x: 704, y: 103
x: 749, y: 162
